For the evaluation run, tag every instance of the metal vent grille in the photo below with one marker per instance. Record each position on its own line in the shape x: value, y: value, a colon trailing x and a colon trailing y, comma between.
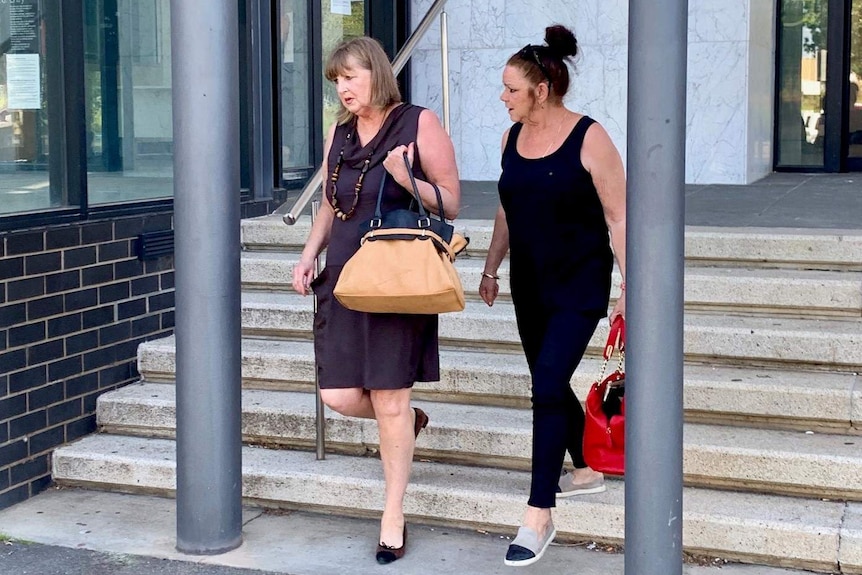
x: 153, y: 245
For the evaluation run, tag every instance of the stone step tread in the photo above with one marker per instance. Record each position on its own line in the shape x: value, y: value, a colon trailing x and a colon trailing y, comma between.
x: 823, y: 278
x: 771, y: 527
x: 758, y: 392
x: 503, y: 311
x: 511, y: 426
x: 288, y: 258
x: 801, y: 292
x: 841, y: 249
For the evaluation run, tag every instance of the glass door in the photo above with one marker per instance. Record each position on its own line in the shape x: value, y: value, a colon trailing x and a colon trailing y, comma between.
x: 854, y: 98
x: 342, y: 19
x: 308, y: 33
x: 800, y: 125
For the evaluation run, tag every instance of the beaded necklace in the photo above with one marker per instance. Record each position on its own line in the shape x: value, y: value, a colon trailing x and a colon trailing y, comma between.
x: 339, y: 213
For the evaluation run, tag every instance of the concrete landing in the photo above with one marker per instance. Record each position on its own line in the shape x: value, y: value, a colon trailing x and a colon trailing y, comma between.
x: 79, y: 531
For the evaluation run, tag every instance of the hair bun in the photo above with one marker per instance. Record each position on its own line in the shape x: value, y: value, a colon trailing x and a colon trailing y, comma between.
x: 561, y: 41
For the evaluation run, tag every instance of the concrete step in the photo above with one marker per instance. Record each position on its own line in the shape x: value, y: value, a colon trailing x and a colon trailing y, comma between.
x: 804, y: 249
x: 804, y: 533
x: 782, y: 399
x: 817, y: 343
x: 778, y: 462
x: 773, y: 291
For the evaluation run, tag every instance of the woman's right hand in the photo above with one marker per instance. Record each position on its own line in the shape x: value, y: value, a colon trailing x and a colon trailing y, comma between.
x: 303, y: 274
x: 488, y: 290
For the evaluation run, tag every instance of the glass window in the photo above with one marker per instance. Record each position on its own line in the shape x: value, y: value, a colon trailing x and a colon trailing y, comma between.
x: 802, y: 83
x: 128, y: 100
x: 27, y: 101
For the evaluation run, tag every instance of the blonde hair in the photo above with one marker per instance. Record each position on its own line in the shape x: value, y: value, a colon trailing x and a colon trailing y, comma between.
x: 368, y: 54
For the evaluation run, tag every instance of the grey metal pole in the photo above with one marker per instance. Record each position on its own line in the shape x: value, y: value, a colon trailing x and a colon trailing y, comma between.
x: 654, y: 279
x: 205, y: 62
x: 320, y: 415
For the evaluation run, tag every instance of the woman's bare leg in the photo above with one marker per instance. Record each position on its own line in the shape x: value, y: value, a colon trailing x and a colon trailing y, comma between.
x: 395, y: 422
x: 351, y: 401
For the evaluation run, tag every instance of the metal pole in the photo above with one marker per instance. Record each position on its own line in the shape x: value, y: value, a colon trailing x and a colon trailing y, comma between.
x: 654, y: 279
x: 320, y: 416
x: 444, y: 56
x: 204, y: 42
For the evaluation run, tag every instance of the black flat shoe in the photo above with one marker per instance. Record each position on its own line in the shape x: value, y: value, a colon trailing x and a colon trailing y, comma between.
x: 387, y: 554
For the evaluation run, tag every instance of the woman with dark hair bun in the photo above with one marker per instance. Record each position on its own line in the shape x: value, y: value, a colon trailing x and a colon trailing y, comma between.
x: 562, y: 219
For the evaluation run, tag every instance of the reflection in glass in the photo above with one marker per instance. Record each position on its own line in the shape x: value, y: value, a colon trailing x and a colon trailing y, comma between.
x: 128, y: 100
x: 25, y: 97
x: 295, y: 90
x: 802, y: 83
x: 338, y: 24
x: 854, y: 118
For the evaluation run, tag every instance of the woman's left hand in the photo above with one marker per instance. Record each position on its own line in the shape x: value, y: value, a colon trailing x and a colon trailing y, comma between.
x: 619, y: 308
x: 394, y: 164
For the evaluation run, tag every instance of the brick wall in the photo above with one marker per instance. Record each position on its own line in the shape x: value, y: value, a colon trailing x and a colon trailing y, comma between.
x: 75, y: 302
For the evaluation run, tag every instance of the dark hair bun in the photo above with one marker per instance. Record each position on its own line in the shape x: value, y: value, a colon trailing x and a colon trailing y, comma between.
x: 561, y: 42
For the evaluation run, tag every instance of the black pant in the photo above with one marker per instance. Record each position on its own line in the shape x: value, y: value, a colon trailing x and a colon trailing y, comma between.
x: 554, y: 343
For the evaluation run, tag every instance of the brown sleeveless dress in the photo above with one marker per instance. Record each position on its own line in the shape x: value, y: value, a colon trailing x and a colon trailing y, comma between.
x: 355, y: 349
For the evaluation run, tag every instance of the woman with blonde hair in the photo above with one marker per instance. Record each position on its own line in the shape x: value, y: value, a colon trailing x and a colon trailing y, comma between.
x: 367, y: 363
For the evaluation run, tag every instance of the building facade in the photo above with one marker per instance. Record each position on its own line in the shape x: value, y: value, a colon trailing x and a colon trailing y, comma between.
x: 86, y: 148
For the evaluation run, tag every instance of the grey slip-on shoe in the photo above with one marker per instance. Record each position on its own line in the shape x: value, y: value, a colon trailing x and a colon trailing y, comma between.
x: 526, y: 549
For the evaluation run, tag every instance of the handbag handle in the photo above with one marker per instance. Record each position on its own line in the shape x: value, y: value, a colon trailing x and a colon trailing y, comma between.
x: 616, y: 341
x: 616, y: 337
x: 416, y: 191
x: 377, y: 220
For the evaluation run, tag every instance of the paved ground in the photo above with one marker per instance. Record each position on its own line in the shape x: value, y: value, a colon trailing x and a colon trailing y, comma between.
x: 781, y: 200
x: 79, y: 532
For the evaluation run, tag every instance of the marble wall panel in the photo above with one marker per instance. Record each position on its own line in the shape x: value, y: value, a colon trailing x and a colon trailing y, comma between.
x: 761, y: 89
x: 731, y: 58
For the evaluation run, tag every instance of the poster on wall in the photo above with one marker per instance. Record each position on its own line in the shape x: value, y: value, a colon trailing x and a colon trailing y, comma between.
x: 340, y: 7
x: 23, y: 82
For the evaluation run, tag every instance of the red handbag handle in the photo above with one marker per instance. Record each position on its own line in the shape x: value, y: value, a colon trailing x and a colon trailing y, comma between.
x: 616, y: 337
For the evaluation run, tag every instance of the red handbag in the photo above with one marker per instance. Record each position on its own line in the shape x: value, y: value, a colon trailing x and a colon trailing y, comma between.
x: 605, y: 426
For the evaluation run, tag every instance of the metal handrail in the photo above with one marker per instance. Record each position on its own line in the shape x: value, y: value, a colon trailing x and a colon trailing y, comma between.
x: 291, y: 215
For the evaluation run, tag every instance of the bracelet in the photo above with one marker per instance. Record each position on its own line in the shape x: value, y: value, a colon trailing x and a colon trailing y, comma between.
x: 623, y: 286
x: 490, y: 276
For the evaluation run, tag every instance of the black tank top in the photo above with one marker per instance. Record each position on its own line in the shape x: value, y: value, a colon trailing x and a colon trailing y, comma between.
x: 559, y: 245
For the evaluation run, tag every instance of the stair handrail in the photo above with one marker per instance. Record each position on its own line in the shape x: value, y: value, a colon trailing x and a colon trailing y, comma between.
x: 291, y: 215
